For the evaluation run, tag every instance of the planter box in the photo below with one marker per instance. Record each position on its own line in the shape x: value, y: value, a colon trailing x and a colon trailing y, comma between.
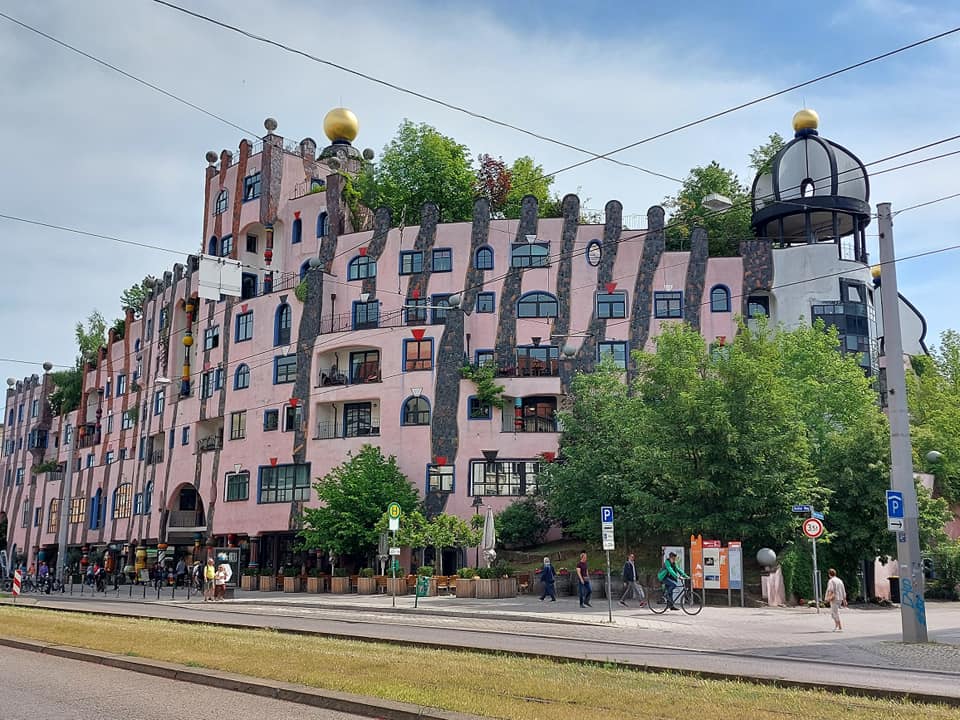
x: 268, y: 583
x: 466, y: 588
x: 248, y: 582
x: 599, y: 585
x: 366, y: 586
x: 487, y: 589
x: 291, y: 584
x: 397, y: 585
x: 340, y: 585
x: 507, y: 587
x: 314, y: 585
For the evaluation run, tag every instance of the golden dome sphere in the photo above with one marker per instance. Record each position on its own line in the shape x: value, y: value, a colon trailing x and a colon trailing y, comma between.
x: 806, y: 119
x: 875, y: 272
x: 341, y: 124
x: 187, y: 341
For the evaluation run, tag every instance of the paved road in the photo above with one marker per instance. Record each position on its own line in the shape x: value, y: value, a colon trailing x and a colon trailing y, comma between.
x: 42, y: 687
x: 752, y: 642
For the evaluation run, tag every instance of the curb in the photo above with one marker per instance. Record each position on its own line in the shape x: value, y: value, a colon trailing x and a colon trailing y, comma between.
x: 287, y: 692
x: 779, y: 682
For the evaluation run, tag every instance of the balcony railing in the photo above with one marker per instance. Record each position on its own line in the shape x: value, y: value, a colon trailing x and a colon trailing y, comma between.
x: 90, y: 440
x: 332, y: 430
x: 530, y: 368
x: 307, y: 188
x: 533, y: 425
x: 366, y: 373
x: 186, y: 519
x: 155, y: 457
x: 55, y: 475
x: 213, y: 442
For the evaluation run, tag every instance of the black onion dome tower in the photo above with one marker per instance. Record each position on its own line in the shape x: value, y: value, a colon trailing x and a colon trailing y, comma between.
x: 816, y: 191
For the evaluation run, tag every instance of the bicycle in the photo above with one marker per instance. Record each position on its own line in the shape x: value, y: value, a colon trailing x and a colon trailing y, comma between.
x: 686, y: 598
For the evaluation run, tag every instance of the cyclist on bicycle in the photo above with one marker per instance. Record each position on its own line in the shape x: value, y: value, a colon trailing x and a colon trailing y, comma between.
x: 671, y: 576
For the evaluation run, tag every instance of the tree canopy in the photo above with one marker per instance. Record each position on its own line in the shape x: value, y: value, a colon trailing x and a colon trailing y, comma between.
x: 91, y: 338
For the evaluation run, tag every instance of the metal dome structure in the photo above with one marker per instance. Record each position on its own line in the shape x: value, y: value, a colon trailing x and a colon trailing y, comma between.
x: 816, y: 191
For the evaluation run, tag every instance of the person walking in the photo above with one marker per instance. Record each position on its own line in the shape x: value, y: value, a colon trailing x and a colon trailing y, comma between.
x: 671, y: 575
x: 548, y: 576
x: 181, y: 571
x: 583, y: 581
x: 630, y: 584
x: 209, y: 579
x: 837, y: 597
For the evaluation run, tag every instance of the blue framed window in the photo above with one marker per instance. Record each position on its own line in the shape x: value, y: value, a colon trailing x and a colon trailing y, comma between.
x: 206, y: 385
x: 416, y: 411
x: 594, y: 253
x: 417, y: 354
x: 284, y: 369
x: 159, y: 398
x: 440, y: 478
x: 226, y: 245
x: 322, y: 225
x: 148, y: 498
x: 213, y: 246
x: 442, y: 260
x: 485, y: 357
x: 440, y: 309
x: 668, y: 304
x: 211, y: 337
x: 484, y: 258
x: 411, y: 262
x: 719, y: 298
x: 218, y: 379
x: 241, y: 378
x: 611, y: 304
x: 297, y: 235
x: 138, y: 504
x: 758, y: 305
x: 163, y: 318
x: 537, y: 304
x: 252, y: 241
x: 251, y: 187
x: 477, y: 410
x: 281, y: 325
x: 121, y: 385
x: 283, y: 483
x: 366, y: 315
x: 415, y: 313
x: 122, y: 500
x: 361, y: 267
x: 238, y: 486
x: 271, y: 420
x: 244, y: 326
x: 220, y: 206
x: 97, y: 509
x: 530, y: 255
x: 172, y: 439
x: 614, y: 349
x: 185, y: 435
x: 486, y: 302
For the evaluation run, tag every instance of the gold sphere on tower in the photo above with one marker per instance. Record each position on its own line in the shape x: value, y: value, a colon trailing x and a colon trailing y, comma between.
x: 341, y: 124
x: 806, y: 119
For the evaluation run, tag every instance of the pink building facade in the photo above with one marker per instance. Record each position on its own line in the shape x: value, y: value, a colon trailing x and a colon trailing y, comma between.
x: 205, y: 424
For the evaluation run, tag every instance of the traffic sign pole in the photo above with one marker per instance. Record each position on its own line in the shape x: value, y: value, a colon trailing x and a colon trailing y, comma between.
x: 816, y: 576
x: 606, y: 534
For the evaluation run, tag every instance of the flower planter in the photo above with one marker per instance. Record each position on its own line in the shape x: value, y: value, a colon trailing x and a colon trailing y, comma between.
x: 466, y: 587
x: 366, y: 586
x: 314, y: 585
x: 487, y: 589
x: 506, y: 587
x: 248, y: 582
x: 396, y: 586
x: 268, y: 583
x: 291, y: 584
x: 340, y: 585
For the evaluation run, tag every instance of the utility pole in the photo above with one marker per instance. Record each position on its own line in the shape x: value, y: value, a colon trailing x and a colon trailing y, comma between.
x: 912, y: 609
x: 66, y: 491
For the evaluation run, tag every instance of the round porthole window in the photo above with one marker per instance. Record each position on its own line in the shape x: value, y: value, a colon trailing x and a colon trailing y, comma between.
x: 594, y: 252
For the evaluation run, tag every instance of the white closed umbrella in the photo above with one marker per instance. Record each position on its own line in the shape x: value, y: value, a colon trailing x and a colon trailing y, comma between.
x: 489, y: 541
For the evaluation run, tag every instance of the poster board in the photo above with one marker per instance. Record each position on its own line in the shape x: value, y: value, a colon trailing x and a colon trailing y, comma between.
x: 735, y: 564
x: 231, y: 556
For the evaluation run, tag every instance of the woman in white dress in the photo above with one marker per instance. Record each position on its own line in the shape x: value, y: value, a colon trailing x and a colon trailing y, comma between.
x: 836, y: 596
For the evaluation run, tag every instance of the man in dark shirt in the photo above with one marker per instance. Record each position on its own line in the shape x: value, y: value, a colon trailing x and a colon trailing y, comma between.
x: 583, y: 581
x: 630, y: 584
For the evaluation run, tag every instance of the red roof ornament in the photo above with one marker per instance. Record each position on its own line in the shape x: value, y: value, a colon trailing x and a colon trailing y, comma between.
x: 294, y: 402
x: 415, y: 293
x: 273, y: 462
x: 363, y: 252
x: 549, y: 456
x: 243, y: 308
x: 296, y: 214
x: 610, y: 286
x: 440, y: 460
x: 417, y: 333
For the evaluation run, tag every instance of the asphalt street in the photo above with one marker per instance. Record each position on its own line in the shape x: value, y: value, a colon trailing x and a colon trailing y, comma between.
x: 43, y: 687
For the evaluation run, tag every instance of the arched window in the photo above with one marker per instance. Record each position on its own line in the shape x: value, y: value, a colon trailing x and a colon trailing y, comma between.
x: 361, y: 268
x: 322, y: 225
x: 719, y: 299
x: 537, y: 305
x: 221, y: 204
x: 484, y: 259
x: 281, y: 325
x: 530, y: 255
x: 241, y: 378
x: 416, y: 411
x: 148, y: 498
x: 213, y: 246
x: 122, y: 500
x: 297, y: 231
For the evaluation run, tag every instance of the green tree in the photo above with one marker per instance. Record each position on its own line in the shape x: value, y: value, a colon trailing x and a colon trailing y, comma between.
x: 761, y: 158
x: 493, y: 181
x: 354, y: 496
x: 91, y: 338
x: 448, y: 531
x: 134, y: 296
x: 66, y: 397
x: 420, y: 165
x: 725, y: 229
x: 523, y: 523
x: 934, y: 514
x: 528, y: 178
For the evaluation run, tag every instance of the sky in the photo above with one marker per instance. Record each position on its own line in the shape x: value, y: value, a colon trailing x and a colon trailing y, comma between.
x: 91, y: 149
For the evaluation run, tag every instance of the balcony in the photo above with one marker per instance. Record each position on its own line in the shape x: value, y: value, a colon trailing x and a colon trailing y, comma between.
x: 155, y: 457
x: 362, y: 366
x: 532, y: 414
x: 208, y: 444
x: 530, y: 368
x: 183, y: 519
x: 55, y: 475
x: 330, y: 430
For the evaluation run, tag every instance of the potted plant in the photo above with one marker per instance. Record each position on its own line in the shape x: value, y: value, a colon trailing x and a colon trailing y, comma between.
x: 396, y: 585
x: 268, y: 582
x: 314, y: 582
x: 366, y: 583
x: 248, y: 581
x: 466, y: 582
x: 340, y: 582
x: 487, y: 587
x: 291, y: 580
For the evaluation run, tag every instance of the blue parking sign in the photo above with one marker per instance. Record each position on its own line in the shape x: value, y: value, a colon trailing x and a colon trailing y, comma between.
x: 894, y: 504
x: 606, y: 514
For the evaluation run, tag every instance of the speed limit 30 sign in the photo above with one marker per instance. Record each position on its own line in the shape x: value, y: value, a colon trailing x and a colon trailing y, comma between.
x: 812, y: 528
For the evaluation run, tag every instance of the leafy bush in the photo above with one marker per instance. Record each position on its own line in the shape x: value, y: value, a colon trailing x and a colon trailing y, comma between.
x: 290, y: 572
x: 366, y: 572
x: 487, y: 573
x: 467, y: 573
x: 946, y: 568
x: 266, y: 571
x: 250, y: 572
x: 341, y: 572
x: 523, y: 524
x: 425, y: 571
x: 313, y: 572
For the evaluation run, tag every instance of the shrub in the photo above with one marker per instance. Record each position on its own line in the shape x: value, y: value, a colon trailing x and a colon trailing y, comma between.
x: 313, y: 572
x: 290, y: 572
x: 366, y: 572
x: 487, y: 573
x: 425, y: 571
x: 467, y: 573
x: 523, y: 523
x: 341, y: 572
x: 266, y: 571
x: 250, y: 572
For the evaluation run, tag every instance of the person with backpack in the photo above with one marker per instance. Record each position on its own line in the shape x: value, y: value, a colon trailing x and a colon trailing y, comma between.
x: 548, y: 576
x: 671, y: 575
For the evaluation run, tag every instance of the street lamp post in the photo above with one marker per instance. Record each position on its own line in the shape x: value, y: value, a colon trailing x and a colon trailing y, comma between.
x: 912, y: 610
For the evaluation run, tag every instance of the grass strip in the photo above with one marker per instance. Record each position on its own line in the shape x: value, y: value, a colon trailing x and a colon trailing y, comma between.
x: 482, y: 684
